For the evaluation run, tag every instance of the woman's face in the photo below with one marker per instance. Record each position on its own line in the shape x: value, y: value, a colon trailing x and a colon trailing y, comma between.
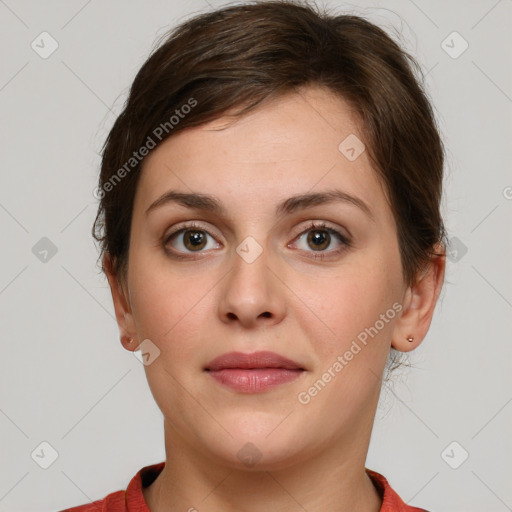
x: 252, y: 275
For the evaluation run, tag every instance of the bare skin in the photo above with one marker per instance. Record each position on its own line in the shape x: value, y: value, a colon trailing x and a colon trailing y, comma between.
x: 212, y: 301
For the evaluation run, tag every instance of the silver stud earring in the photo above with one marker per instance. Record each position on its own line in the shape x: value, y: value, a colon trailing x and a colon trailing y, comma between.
x: 410, y: 339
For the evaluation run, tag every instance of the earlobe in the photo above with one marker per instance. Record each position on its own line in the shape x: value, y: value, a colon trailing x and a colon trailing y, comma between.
x: 122, y: 306
x: 419, y: 303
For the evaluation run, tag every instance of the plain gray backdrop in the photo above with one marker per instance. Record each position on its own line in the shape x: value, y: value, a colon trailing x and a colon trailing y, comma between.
x: 442, y: 434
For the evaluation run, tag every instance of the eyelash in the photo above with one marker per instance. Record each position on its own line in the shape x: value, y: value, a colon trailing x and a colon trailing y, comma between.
x: 313, y: 226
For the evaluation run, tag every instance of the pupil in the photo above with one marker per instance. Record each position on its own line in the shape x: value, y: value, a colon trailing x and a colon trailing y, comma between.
x: 195, y: 238
x: 319, y: 238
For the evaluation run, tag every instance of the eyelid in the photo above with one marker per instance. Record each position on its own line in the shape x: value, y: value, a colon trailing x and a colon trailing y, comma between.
x: 324, y: 225
x: 186, y: 226
x: 179, y: 230
x: 346, y: 240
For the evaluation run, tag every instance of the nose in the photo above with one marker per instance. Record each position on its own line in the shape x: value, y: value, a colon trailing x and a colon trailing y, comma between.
x: 252, y: 293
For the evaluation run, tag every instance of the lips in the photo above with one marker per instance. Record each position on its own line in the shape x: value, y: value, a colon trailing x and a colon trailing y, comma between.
x: 243, y: 361
x: 253, y: 373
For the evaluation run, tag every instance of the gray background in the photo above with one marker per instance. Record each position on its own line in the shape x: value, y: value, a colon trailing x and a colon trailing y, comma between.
x: 65, y: 378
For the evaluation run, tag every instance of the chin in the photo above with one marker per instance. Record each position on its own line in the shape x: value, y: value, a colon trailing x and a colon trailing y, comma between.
x: 260, y: 442
x: 258, y: 454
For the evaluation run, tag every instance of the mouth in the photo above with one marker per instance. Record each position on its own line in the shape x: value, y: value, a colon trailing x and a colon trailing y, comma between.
x: 250, y: 373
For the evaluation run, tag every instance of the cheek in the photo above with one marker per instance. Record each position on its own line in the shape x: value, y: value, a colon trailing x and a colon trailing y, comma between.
x: 169, y: 308
x: 359, y: 309
x: 355, y: 306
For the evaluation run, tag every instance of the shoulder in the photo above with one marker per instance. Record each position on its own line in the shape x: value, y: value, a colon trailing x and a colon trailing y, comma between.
x: 129, y: 500
x: 391, y: 501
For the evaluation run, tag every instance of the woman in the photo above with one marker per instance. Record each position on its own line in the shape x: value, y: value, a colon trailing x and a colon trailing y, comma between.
x: 270, y: 229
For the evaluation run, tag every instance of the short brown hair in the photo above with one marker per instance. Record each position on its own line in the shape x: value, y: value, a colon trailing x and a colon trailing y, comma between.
x: 240, y: 56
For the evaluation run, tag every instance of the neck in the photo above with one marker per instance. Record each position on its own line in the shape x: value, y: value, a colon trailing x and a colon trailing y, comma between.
x: 333, y: 479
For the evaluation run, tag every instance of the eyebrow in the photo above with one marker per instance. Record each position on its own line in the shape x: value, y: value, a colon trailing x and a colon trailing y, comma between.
x: 292, y: 204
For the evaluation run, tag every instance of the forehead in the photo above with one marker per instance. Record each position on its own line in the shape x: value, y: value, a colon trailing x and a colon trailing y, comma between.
x: 293, y: 144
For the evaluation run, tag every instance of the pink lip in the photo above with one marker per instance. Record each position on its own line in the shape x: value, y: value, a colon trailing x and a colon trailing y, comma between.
x: 250, y: 373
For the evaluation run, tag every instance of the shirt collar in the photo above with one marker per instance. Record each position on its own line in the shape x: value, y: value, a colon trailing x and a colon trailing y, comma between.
x: 135, y: 501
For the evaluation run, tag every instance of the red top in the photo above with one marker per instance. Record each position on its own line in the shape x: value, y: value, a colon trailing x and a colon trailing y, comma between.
x: 132, y: 500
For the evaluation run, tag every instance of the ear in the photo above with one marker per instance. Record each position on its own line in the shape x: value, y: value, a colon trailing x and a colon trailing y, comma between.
x: 419, y: 303
x: 121, y: 299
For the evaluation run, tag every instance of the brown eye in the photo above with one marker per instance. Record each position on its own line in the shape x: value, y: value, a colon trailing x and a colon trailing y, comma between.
x: 322, y: 241
x: 194, y: 240
x: 189, y: 239
x: 319, y: 239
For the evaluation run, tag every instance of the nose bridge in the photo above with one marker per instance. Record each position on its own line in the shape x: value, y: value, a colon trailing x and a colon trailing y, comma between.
x: 248, y: 280
x: 251, y: 292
